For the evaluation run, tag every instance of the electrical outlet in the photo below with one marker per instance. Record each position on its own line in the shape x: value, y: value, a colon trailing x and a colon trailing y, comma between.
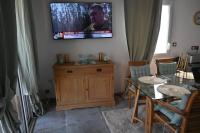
x: 194, y: 47
x: 174, y: 44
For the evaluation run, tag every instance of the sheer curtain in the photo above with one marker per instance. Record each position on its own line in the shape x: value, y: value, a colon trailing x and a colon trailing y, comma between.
x: 142, y: 18
x: 17, y: 62
x: 27, y: 64
x: 9, y: 122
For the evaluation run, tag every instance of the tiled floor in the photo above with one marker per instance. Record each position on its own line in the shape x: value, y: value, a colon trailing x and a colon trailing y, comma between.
x: 85, y: 120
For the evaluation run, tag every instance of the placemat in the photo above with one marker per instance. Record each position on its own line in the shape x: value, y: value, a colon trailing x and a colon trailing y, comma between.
x: 151, y: 80
x: 173, y: 90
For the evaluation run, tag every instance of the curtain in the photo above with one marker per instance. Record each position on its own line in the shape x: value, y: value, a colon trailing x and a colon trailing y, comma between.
x: 27, y: 61
x: 9, y: 122
x: 142, y: 19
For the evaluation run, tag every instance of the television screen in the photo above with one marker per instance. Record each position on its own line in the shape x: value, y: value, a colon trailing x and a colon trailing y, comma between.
x: 81, y: 20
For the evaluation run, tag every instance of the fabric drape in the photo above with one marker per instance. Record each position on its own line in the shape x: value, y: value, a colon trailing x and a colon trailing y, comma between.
x: 27, y: 63
x: 8, y: 66
x: 142, y: 19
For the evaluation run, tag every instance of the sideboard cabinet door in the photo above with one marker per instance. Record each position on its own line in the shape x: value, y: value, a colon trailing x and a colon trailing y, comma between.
x: 99, y: 87
x: 71, y: 90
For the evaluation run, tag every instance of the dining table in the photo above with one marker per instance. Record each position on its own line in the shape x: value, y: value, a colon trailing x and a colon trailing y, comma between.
x: 149, y: 86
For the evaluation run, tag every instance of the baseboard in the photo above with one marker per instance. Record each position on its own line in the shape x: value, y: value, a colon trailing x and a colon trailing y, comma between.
x: 48, y: 103
x: 50, y: 100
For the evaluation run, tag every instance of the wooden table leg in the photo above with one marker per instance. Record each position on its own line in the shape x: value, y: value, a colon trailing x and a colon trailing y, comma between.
x: 129, y: 99
x: 149, y: 115
x: 134, y: 118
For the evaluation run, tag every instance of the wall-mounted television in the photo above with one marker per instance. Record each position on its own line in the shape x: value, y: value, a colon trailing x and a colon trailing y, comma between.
x: 72, y: 20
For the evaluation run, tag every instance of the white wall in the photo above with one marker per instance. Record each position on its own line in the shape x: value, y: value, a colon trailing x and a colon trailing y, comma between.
x: 115, y: 47
x: 184, y: 31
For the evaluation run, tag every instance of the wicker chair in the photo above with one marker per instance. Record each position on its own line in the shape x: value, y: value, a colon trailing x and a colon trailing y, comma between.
x: 182, y: 65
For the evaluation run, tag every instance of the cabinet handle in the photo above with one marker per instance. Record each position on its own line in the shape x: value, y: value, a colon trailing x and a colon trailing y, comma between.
x: 99, y: 70
x: 69, y: 71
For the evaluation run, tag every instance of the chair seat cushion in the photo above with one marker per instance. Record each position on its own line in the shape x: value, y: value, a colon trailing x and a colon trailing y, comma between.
x: 175, y: 118
x: 138, y: 71
x: 167, y: 68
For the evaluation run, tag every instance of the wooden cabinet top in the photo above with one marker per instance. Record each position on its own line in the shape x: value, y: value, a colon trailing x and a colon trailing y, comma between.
x: 74, y: 65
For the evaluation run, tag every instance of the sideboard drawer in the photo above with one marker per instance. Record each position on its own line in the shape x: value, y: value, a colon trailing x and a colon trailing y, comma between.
x: 99, y: 70
x: 68, y: 72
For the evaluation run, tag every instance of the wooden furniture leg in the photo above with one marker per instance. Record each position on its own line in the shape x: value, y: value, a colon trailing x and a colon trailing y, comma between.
x: 149, y: 115
x: 129, y: 99
x: 134, y: 118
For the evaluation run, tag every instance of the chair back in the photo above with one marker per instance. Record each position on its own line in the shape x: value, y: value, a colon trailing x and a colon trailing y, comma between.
x: 182, y: 63
x: 191, y: 123
x: 166, y: 66
x: 139, y: 68
x: 138, y: 63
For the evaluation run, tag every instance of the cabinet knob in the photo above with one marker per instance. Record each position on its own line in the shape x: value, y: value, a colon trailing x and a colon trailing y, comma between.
x: 99, y: 70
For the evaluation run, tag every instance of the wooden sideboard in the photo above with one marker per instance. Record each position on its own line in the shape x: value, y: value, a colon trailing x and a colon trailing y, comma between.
x: 84, y: 85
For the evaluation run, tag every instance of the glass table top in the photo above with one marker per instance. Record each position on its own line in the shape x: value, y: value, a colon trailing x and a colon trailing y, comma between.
x: 151, y: 89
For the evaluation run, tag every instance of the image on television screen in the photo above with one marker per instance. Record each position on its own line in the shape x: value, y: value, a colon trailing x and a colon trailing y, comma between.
x: 81, y: 20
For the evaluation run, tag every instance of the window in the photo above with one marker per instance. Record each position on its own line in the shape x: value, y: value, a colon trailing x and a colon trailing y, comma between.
x: 162, y: 45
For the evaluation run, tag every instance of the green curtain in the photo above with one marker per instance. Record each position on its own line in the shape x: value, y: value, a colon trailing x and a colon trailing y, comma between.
x: 8, y: 66
x: 142, y: 19
x: 27, y: 61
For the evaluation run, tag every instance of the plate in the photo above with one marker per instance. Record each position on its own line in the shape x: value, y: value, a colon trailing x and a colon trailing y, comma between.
x: 173, y: 90
x: 151, y: 80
